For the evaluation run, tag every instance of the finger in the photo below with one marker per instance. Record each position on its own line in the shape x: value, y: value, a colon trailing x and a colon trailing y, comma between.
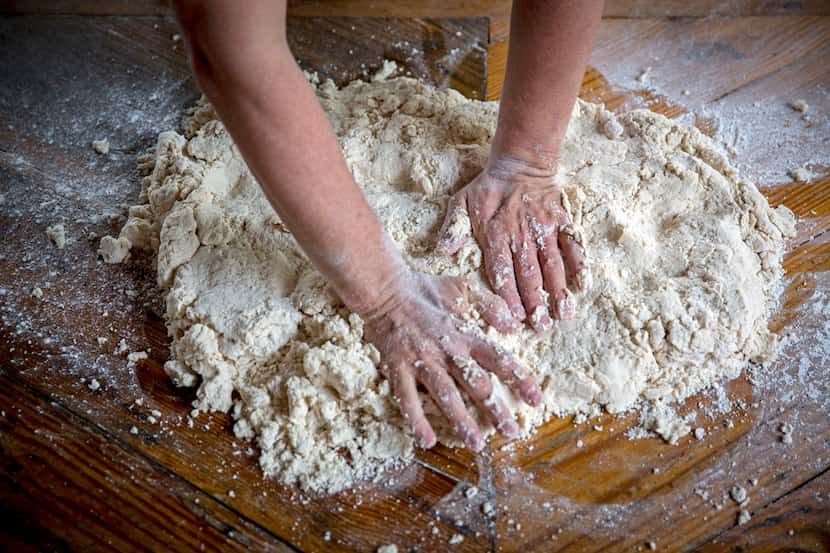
x: 553, y: 272
x: 455, y: 229
x: 444, y: 392
x: 498, y: 264
x: 531, y: 287
x: 494, y: 309
x: 476, y: 382
x: 406, y: 392
x: 573, y: 255
x: 504, y: 364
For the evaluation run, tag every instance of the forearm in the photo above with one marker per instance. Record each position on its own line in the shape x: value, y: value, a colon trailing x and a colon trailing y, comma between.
x: 276, y: 121
x: 550, y: 41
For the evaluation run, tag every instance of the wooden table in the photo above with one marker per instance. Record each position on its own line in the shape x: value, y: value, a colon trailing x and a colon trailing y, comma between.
x: 83, y: 467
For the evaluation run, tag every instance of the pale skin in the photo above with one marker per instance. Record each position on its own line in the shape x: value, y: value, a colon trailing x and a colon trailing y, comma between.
x: 243, y: 64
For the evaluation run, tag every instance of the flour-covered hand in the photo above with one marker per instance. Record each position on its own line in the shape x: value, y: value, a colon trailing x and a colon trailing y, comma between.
x: 423, y: 338
x: 530, y: 254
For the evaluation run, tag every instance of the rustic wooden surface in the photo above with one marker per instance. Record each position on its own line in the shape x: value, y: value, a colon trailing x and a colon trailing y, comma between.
x: 74, y: 475
x: 438, y: 8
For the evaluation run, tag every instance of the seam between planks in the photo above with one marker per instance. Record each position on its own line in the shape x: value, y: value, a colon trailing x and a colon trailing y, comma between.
x: 761, y: 509
x: 90, y: 425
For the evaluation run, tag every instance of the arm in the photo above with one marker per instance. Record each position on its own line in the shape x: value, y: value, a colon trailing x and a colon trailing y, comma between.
x: 242, y: 62
x: 515, y: 204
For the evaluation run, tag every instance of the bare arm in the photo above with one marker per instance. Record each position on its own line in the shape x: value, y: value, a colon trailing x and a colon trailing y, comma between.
x: 244, y: 66
x: 515, y: 205
x: 550, y: 41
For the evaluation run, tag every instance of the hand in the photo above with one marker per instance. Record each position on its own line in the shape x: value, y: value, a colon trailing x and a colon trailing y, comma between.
x: 530, y: 253
x: 424, y: 338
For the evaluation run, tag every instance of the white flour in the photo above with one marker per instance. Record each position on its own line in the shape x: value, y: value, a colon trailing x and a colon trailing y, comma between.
x: 685, y: 259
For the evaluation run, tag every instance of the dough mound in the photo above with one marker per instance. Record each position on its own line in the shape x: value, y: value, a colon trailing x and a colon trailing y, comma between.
x: 685, y: 260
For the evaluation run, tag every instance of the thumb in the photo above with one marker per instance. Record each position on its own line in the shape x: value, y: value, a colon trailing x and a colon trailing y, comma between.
x: 456, y: 230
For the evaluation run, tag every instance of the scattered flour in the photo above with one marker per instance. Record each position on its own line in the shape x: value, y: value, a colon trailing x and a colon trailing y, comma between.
x: 685, y: 258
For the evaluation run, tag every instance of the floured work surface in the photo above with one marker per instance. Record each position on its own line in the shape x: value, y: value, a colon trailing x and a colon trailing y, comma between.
x: 599, y: 493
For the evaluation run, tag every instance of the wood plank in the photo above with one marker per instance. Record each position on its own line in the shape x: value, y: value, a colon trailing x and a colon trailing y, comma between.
x: 437, y: 9
x: 799, y: 521
x: 712, y: 8
x: 66, y: 484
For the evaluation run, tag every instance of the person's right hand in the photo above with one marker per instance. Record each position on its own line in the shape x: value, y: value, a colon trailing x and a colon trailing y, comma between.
x: 423, y: 338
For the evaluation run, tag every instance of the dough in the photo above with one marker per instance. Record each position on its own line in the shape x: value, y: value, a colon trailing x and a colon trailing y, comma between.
x: 57, y: 234
x: 685, y: 257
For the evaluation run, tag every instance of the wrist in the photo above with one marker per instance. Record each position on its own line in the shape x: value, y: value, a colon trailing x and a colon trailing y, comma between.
x: 526, y: 154
x: 519, y: 171
x: 380, y: 292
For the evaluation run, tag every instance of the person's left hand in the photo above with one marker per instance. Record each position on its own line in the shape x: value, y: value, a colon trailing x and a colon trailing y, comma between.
x: 530, y: 254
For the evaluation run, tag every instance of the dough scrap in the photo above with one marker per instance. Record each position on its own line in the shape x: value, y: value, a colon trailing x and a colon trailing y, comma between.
x: 57, y: 234
x: 685, y: 259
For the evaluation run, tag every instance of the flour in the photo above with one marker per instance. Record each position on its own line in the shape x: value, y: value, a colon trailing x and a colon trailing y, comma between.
x: 685, y: 258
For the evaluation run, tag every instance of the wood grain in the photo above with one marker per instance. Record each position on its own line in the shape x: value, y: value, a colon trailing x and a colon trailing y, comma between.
x: 438, y: 9
x: 799, y: 521
x: 82, y: 488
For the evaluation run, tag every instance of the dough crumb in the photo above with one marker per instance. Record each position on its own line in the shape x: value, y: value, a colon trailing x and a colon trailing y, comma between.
x: 456, y: 539
x: 738, y: 494
x: 101, y: 146
x: 57, y: 234
x: 94, y: 384
x: 645, y: 75
x: 136, y: 356
x: 102, y: 340
x: 114, y: 250
x: 799, y: 105
x: 122, y: 347
x: 37, y: 293
x: 661, y: 419
x: 700, y: 433
x: 786, y: 430
x: 133, y: 430
x: 651, y: 545
x: 744, y: 516
x: 801, y: 174
x: 471, y: 492
x: 388, y: 69
x: 391, y: 548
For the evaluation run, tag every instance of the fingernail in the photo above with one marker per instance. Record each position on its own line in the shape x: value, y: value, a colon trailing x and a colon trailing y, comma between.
x: 475, y: 442
x: 509, y: 429
x: 425, y: 439
x: 566, y: 309
x: 540, y: 318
